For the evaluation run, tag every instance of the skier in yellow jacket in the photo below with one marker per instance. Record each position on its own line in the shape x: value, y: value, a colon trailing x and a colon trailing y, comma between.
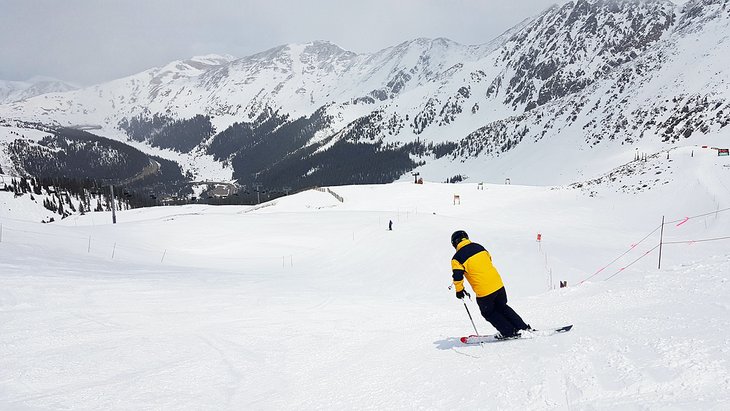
x: 474, y: 262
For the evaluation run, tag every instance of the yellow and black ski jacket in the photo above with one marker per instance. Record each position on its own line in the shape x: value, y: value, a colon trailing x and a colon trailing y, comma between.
x: 474, y: 262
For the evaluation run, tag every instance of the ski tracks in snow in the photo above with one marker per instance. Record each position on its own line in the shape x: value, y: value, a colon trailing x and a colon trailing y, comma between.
x: 651, y: 341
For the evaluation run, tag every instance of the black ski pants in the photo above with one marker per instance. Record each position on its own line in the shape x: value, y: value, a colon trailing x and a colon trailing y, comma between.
x: 494, y: 309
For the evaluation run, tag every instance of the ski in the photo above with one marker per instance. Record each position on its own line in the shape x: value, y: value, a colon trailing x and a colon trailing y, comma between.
x: 524, y: 335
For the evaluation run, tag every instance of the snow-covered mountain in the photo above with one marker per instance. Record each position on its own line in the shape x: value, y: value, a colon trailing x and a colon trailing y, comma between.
x: 12, y: 91
x: 598, y: 78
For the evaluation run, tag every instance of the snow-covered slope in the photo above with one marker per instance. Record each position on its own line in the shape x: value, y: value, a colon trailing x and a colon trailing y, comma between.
x: 310, y: 303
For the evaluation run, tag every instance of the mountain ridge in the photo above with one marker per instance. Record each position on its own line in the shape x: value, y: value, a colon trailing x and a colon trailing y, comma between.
x: 593, y: 75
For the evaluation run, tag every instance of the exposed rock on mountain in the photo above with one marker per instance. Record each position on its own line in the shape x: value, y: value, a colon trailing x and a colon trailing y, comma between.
x: 590, y: 76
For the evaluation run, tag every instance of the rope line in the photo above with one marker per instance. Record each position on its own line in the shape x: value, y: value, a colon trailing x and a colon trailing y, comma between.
x: 39, y: 233
x: 681, y: 221
x: 697, y: 241
x: 624, y: 253
x: 632, y: 263
x: 96, y: 246
x: 697, y: 216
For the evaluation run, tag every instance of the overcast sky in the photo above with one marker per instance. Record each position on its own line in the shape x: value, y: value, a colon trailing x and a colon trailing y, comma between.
x: 92, y: 41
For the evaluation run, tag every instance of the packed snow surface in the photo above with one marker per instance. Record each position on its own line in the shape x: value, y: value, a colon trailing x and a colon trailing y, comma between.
x: 311, y: 303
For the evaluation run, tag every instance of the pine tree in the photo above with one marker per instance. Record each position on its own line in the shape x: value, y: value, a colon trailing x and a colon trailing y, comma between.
x: 36, y: 186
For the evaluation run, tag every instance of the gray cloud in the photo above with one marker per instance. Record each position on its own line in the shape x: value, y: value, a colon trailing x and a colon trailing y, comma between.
x: 90, y: 41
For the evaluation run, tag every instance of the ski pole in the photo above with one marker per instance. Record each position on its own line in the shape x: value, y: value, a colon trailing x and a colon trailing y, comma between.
x: 471, y: 319
x: 467, y: 310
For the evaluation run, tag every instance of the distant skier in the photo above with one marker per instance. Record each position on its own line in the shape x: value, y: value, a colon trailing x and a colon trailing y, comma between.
x: 390, y: 225
x: 474, y: 262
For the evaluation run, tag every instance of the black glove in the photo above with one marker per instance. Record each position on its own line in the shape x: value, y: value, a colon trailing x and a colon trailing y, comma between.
x: 460, y: 294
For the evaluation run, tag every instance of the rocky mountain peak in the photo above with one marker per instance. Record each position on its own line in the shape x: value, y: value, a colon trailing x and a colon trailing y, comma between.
x: 568, y: 47
x: 695, y: 13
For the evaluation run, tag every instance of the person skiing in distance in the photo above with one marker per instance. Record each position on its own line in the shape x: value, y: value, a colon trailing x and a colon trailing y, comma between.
x: 474, y: 262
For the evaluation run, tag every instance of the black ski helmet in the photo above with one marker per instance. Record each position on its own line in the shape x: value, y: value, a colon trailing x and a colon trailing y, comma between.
x: 458, y: 236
